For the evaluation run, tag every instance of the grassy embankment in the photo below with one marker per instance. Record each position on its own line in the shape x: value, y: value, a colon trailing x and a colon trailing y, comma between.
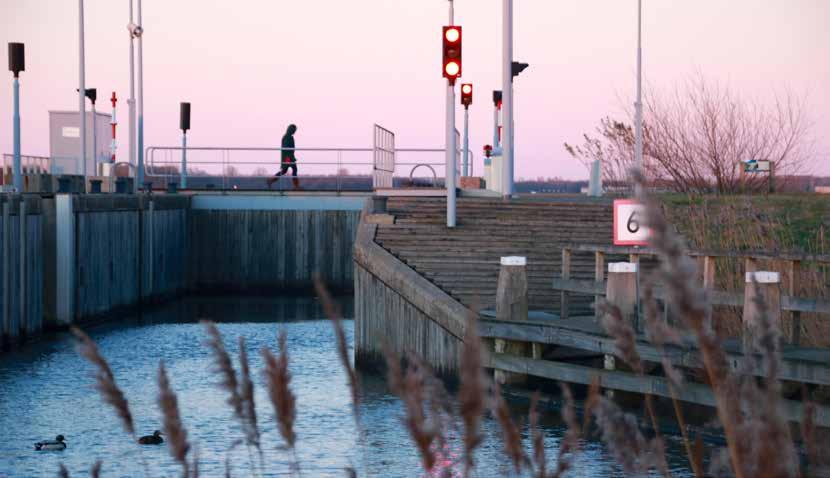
x: 798, y: 223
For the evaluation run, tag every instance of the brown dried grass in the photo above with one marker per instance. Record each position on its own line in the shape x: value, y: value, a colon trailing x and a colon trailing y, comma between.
x: 278, y: 378
x: 174, y: 431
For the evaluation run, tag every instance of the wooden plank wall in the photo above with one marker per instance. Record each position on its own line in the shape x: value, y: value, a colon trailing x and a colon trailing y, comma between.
x: 15, y: 324
x: 265, y: 250
x: 385, y: 319
x: 114, y: 268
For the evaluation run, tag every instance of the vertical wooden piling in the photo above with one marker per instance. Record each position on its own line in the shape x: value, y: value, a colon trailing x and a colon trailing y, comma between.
x: 708, y: 284
x: 621, y: 289
x: 599, y: 276
x: 793, y: 286
x: 762, y: 294
x: 6, y: 270
x: 22, y: 321
x: 566, y: 274
x: 511, y: 305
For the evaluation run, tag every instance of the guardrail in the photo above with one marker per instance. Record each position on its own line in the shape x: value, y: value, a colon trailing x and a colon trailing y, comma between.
x: 790, y: 301
x: 339, y: 168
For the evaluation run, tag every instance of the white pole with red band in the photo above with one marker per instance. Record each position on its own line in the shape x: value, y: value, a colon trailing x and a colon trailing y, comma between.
x: 113, y: 123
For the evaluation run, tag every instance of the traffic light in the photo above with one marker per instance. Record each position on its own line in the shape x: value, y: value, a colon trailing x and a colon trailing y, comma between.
x: 518, y: 67
x: 184, y: 116
x: 452, y: 53
x: 17, y: 58
x: 497, y: 98
x: 466, y: 94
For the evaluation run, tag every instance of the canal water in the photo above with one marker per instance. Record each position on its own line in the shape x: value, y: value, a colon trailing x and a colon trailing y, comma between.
x: 46, y: 390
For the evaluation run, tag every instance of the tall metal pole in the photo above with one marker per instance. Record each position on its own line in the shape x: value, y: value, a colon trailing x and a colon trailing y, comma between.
x: 131, y: 100
x: 140, y: 151
x: 466, y: 171
x: 94, y: 142
x: 495, y: 126
x: 17, y: 170
x: 638, y: 105
x: 507, y: 98
x: 184, y: 160
x: 82, y: 88
x: 451, y: 147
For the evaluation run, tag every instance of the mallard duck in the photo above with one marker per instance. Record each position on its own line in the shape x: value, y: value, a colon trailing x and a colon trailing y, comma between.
x: 57, y: 444
x: 154, y: 439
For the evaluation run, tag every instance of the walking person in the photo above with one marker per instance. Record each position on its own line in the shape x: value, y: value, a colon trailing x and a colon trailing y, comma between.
x: 288, y: 159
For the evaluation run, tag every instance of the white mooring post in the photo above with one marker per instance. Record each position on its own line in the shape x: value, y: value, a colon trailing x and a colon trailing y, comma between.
x: 762, y: 294
x: 621, y: 289
x: 512, y: 305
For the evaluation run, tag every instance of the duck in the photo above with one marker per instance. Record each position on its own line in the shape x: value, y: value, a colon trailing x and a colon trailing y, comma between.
x: 154, y: 439
x: 57, y: 444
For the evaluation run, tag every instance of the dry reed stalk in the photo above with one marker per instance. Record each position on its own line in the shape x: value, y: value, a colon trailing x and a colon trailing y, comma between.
x: 621, y: 433
x: 224, y: 367
x: 62, y: 471
x: 808, y: 431
x: 195, y: 472
x: 246, y: 395
x: 332, y: 311
x: 95, y: 471
x: 569, y: 445
x: 439, y: 400
x: 278, y: 378
x: 105, y: 380
x: 472, y: 391
x: 413, y: 397
x: 538, y: 440
x: 173, y: 428
x: 511, y: 437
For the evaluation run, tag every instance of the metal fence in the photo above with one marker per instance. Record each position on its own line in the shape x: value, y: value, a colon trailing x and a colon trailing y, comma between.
x: 384, y: 158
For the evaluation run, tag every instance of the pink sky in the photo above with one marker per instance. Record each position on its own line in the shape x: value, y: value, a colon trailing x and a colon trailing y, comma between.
x: 335, y: 67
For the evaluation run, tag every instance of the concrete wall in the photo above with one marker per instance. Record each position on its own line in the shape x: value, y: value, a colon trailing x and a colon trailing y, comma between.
x: 21, y: 269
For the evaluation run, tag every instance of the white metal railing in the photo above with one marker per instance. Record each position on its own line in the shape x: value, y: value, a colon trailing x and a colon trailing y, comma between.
x: 319, y: 168
x: 383, y: 158
x: 28, y: 165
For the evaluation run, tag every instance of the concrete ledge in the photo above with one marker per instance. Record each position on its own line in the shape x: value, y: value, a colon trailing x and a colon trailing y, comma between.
x: 386, y: 219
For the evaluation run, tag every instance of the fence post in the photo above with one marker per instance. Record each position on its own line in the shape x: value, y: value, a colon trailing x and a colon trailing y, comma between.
x: 765, y: 287
x: 599, y: 276
x: 621, y: 289
x: 709, y: 285
x: 511, y: 305
x: 65, y: 266
x: 566, y: 274
x: 793, y: 286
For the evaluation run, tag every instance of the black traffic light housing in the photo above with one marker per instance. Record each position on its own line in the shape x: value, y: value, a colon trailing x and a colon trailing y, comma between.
x: 17, y: 58
x: 518, y: 67
x: 184, y: 116
x: 91, y: 94
x: 466, y: 94
x: 451, y: 64
x: 497, y: 98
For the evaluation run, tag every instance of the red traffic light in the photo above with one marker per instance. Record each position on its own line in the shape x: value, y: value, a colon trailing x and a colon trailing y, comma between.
x: 466, y: 94
x: 451, y: 64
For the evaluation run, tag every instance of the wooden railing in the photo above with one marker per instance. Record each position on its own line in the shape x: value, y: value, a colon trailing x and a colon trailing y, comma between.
x: 790, y: 301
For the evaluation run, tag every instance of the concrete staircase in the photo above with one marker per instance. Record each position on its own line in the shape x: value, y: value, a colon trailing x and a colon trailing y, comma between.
x: 464, y: 261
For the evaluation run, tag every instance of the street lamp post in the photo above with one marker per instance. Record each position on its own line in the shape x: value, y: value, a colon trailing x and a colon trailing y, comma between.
x: 82, y: 88
x: 507, y: 98
x: 131, y: 27
x: 139, y: 32
x: 17, y: 63
x: 450, y: 141
x: 638, y: 105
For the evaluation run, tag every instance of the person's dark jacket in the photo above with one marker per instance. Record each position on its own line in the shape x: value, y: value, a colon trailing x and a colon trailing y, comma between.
x: 288, y: 142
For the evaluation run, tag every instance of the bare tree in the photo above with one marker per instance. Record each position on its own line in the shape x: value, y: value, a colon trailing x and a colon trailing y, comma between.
x: 260, y: 171
x: 231, y: 171
x: 696, y: 136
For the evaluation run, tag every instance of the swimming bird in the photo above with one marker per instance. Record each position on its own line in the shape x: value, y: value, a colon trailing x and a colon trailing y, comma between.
x: 56, y: 444
x: 154, y: 439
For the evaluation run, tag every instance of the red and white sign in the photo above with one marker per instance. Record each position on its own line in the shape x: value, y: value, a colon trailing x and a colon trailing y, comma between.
x: 629, y: 223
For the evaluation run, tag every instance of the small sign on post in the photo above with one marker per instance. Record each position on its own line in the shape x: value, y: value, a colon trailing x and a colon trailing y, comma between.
x: 629, y: 223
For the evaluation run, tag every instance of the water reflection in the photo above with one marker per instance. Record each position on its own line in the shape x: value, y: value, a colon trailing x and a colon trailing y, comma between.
x: 47, y: 390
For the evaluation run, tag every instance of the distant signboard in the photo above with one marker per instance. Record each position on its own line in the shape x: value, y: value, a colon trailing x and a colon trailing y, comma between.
x: 71, y: 132
x: 757, y: 166
x: 629, y: 223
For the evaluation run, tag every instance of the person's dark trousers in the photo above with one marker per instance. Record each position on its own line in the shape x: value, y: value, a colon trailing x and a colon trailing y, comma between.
x: 284, y: 169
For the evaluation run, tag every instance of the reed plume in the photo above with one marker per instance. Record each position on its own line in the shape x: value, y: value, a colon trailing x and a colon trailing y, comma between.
x: 413, y: 397
x: 95, y: 471
x: 332, y: 311
x: 472, y: 392
x: 278, y: 378
x: 173, y: 428
x: 246, y: 396
x: 104, y: 379
x: 224, y: 367
x: 511, y: 437
x: 569, y: 445
x: 537, y: 439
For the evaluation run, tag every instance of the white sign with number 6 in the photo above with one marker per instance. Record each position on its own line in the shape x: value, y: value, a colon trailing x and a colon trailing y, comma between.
x: 629, y: 223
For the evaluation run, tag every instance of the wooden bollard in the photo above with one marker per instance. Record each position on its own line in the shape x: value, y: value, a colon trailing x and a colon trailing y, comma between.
x: 766, y: 286
x: 511, y: 305
x: 621, y: 289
